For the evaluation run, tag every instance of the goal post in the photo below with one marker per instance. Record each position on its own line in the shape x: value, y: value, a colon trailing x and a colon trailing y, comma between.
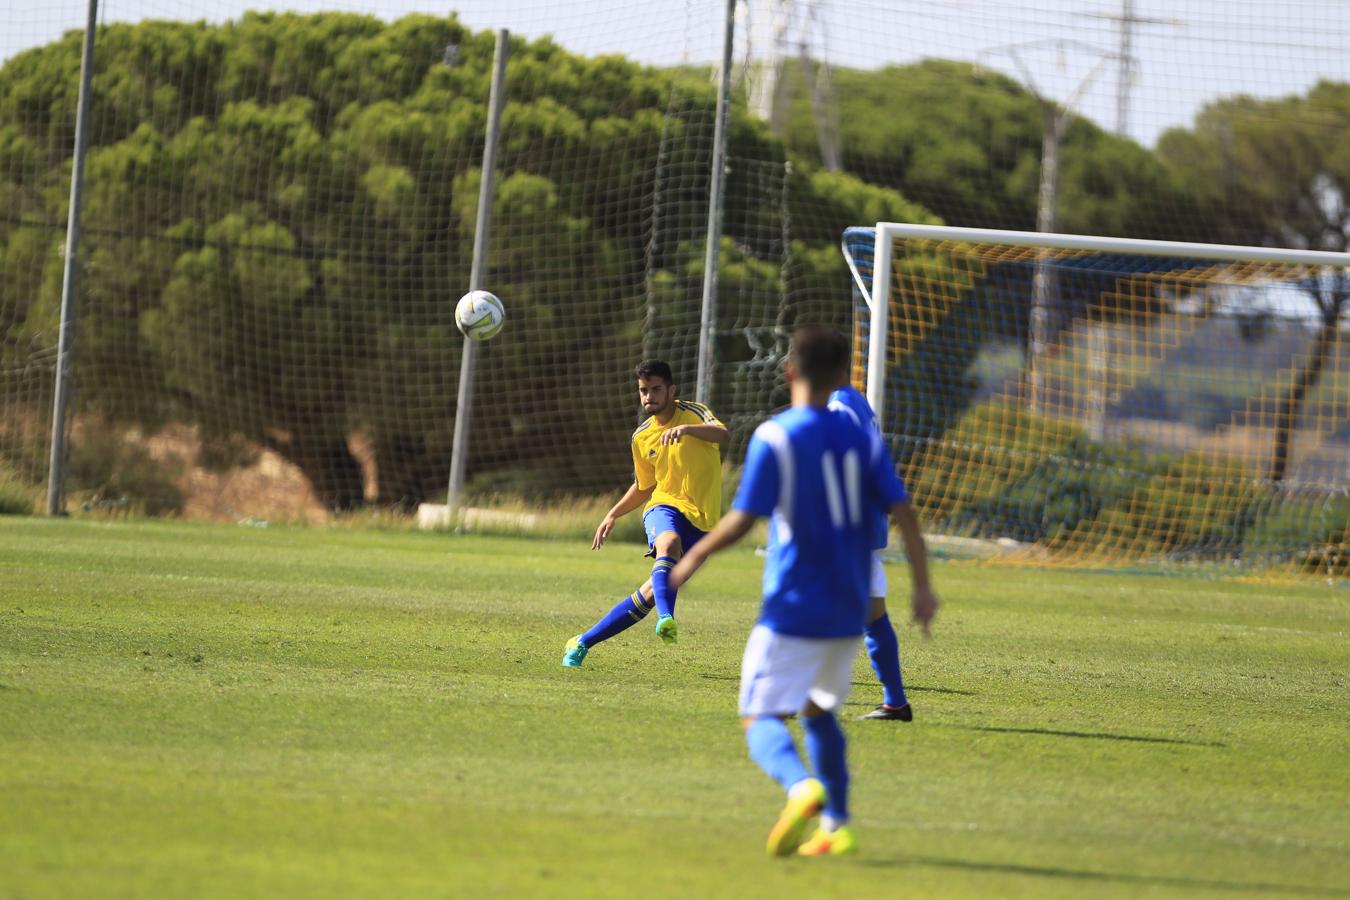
x: 1191, y: 401
x: 885, y: 235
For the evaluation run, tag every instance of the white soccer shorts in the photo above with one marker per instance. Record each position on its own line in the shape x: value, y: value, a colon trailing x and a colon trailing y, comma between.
x: 781, y: 672
x: 876, y: 585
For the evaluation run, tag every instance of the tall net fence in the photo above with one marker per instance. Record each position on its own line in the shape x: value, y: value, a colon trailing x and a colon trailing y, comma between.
x: 1177, y: 408
x: 279, y: 211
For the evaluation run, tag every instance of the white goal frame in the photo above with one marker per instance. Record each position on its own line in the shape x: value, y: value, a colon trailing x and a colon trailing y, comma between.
x: 888, y: 232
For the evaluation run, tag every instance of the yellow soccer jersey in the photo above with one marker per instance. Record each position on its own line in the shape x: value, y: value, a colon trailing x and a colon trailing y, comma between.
x: 688, y: 473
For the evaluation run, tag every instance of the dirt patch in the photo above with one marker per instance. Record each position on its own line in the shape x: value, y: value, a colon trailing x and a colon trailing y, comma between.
x: 271, y: 489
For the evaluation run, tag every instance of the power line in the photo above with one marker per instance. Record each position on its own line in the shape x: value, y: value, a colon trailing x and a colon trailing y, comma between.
x: 1127, y: 20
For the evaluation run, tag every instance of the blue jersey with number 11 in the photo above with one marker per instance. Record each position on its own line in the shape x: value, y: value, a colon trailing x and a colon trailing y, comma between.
x: 820, y: 479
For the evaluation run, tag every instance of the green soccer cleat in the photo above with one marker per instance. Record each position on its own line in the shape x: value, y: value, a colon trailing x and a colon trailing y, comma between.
x: 840, y: 842
x: 667, y: 630
x: 804, y: 803
x: 575, y: 653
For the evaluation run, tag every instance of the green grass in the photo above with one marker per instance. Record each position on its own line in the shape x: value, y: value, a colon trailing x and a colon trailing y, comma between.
x: 214, y: 711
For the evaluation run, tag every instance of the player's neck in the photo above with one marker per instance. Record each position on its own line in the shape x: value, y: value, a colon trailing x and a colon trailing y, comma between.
x: 664, y: 417
x: 804, y: 395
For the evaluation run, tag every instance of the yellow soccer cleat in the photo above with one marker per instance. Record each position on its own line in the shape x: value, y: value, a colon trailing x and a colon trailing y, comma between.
x: 804, y: 803
x: 840, y: 842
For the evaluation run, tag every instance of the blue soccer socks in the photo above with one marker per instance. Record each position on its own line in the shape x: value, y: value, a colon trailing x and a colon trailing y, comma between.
x: 772, y: 748
x: 662, y: 592
x: 884, y: 651
x: 634, y: 608
x: 663, y: 595
x: 826, y: 745
x: 629, y: 611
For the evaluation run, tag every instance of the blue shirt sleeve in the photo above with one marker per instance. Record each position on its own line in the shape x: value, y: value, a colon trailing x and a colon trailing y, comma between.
x: 839, y: 404
x: 758, y: 493
x: 885, y: 483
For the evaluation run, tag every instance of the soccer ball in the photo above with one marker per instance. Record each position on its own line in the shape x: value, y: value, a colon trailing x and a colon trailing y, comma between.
x: 480, y: 315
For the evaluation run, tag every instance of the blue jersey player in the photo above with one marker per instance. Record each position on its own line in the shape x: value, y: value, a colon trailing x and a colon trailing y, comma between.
x: 883, y: 650
x: 818, y: 478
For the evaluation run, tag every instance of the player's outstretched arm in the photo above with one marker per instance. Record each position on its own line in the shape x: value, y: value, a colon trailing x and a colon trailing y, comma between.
x: 632, y: 499
x: 923, y: 601
x: 730, y: 529
x: 713, y: 434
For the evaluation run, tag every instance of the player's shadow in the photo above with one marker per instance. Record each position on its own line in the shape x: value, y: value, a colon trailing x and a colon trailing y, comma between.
x: 1087, y: 875
x: 718, y: 676
x: 919, y: 689
x: 1090, y: 735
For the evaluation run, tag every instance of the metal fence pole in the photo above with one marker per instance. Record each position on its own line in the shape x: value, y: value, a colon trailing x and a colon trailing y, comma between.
x: 708, y: 318
x: 56, y: 469
x: 459, y: 451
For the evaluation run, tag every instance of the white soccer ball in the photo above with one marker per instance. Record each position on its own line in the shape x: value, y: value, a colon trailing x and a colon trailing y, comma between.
x: 480, y: 315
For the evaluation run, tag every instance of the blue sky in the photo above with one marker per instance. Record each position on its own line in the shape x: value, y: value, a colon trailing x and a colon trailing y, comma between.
x: 1193, y: 51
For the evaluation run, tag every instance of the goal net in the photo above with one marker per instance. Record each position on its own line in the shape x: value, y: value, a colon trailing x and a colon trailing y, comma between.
x: 279, y: 218
x: 1086, y: 398
x: 280, y: 201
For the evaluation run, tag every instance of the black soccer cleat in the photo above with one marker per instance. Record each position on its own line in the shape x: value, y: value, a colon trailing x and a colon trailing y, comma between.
x: 902, y: 713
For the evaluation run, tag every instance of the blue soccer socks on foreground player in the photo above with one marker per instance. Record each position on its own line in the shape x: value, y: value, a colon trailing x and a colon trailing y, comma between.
x: 884, y: 652
x: 826, y: 746
x: 772, y: 748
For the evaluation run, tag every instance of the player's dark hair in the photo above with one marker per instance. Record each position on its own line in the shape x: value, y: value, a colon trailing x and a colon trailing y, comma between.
x: 654, y: 367
x: 819, y: 354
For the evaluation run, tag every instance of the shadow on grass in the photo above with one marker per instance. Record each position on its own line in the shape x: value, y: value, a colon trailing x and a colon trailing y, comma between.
x: 1113, y: 877
x: 918, y: 689
x: 1090, y: 735
x: 909, y: 688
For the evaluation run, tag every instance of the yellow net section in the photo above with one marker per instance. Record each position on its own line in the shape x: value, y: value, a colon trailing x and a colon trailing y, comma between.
x: 1168, y: 410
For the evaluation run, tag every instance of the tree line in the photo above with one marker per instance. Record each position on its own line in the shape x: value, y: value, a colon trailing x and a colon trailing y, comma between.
x: 279, y: 217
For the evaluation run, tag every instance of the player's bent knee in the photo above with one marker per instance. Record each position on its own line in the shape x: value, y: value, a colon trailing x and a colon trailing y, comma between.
x: 668, y: 544
x: 877, y: 610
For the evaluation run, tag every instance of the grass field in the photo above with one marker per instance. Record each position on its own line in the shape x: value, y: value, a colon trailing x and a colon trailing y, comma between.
x: 213, y: 711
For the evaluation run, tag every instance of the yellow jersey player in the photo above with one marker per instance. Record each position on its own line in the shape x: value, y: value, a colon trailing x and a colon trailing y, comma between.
x: 677, y: 466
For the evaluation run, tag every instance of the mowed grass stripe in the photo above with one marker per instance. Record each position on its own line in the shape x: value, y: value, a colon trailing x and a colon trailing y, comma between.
x: 194, y: 710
